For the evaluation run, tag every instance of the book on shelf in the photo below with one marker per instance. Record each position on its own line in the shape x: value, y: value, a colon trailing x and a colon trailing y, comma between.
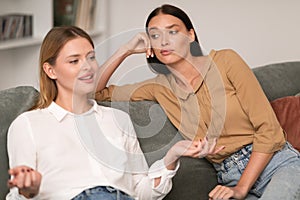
x: 15, y: 26
x: 79, y: 13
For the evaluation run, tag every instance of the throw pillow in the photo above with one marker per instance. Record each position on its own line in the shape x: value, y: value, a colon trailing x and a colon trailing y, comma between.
x: 287, y: 110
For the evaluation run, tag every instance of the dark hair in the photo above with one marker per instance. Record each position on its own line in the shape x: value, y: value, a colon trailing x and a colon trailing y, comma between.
x: 195, y: 48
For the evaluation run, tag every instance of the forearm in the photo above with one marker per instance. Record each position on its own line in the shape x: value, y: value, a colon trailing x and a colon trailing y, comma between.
x: 172, y: 165
x: 109, y: 67
x: 157, y: 183
x: 257, y: 163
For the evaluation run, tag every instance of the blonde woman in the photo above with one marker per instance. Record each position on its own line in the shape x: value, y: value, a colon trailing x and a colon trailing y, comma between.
x: 68, y: 147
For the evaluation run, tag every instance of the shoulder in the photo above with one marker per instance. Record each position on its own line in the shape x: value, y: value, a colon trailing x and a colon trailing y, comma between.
x: 23, y: 121
x: 227, y: 59
x: 223, y: 53
x: 27, y: 115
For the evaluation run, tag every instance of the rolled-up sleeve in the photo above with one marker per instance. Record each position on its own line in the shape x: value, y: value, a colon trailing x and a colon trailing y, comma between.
x: 269, y: 136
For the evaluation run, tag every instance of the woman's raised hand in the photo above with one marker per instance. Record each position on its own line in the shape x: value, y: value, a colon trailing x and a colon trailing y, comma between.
x: 140, y: 43
x: 26, y: 179
x: 194, y: 149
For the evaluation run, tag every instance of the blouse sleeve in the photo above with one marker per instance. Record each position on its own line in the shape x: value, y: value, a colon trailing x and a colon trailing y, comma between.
x: 143, y: 177
x: 21, y: 150
x: 135, y: 92
x: 268, y: 136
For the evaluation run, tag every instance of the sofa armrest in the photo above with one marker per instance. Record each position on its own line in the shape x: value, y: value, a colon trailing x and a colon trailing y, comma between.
x: 13, y: 102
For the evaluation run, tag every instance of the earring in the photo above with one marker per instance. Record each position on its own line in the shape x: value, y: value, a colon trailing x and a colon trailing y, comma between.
x: 195, y: 49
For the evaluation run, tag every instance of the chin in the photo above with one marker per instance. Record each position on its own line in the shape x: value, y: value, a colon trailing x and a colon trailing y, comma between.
x: 168, y: 60
x: 87, y: 89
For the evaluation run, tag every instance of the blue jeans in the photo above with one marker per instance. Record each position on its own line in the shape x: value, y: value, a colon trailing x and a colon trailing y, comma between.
x: 279, y: 180
x: 102, y: 192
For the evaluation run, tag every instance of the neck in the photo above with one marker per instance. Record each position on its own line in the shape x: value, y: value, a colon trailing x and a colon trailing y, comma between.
x: 76, y: 104
x: 188, y: 72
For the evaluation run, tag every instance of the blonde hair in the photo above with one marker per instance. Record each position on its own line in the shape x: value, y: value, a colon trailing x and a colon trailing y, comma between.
x: 52, y: 44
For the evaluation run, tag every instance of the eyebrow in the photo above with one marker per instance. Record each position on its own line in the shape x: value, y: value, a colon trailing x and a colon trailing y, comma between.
x: 167, y: 27
x: 76, y: 55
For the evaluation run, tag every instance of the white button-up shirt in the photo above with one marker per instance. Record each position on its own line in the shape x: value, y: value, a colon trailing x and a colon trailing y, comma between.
x: 77, y: 152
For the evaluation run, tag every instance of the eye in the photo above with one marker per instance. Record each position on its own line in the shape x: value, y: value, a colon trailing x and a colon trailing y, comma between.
x: 91, y: 57
x: 73, y: 61
x: 154, y: 36
x: 173, y: 32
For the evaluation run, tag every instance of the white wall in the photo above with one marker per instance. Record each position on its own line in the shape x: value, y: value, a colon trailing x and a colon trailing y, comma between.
x: 261, y: 31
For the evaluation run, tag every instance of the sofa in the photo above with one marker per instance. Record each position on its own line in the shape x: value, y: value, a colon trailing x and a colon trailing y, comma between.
x: 195, y: 177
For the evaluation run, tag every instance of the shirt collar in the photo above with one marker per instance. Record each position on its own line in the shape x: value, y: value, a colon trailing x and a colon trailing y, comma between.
x: 60, y: 113
x: 182, y: 93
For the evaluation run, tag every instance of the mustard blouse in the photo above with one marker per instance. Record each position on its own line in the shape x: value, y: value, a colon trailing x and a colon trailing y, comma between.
x: 228, y: 103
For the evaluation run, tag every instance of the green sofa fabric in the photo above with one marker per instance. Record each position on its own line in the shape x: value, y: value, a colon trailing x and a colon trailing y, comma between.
x: 195, y: 177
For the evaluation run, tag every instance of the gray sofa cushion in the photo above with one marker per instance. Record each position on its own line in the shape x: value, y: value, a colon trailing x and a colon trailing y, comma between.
x: 14, y: 101
x: 279, y: 80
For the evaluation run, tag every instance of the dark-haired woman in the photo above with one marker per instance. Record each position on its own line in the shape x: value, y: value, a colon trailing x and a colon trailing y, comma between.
x: 214, y: 96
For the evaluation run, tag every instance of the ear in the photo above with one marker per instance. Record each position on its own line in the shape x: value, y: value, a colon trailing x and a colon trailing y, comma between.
x: 49, y: 70
x: 192, y: 35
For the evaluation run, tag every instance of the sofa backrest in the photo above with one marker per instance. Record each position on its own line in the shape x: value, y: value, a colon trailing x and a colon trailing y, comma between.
x: 280, y: 79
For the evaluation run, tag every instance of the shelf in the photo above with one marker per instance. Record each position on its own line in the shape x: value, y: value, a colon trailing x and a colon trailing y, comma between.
x: 31, y: 41
x: 17, y: 43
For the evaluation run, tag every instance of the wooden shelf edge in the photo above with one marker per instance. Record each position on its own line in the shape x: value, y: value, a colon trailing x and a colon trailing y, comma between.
x: 31, y: 41
x: 22, y: 42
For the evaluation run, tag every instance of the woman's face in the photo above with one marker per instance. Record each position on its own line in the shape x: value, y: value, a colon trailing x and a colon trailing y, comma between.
x: 76, y: 68
x: 170, y: 39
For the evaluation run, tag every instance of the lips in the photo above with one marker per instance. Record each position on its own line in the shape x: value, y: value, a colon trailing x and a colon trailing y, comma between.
x: 165, y: 52
x: 87, y: 77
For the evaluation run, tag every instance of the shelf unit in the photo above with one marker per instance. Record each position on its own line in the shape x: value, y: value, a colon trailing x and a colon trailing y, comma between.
x: 42, y: 19
x: 20, y: 56
x: 31, y: 41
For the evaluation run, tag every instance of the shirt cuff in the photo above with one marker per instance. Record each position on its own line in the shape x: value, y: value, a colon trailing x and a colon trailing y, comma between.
x: 158, y: 169
x: 14, y: 195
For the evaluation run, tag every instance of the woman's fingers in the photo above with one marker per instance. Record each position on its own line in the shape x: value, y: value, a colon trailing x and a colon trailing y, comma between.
x: 221, y: 192
x: 23, y: 177
x: 213, y: 145
x: 20, y: 178
x: 218, y: 150
x: 199, y: 148
x: 28, y: 178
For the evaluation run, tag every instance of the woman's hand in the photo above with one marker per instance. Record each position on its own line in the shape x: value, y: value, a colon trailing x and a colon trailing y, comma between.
x: 208, y: 148
x: 26, y: 179
x: 223, y: 192
x: 139, y: 44
x: 194, y: 149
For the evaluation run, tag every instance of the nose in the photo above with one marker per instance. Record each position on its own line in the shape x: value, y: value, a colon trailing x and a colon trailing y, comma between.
x: 165, y: 39
x: 86, y: 65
